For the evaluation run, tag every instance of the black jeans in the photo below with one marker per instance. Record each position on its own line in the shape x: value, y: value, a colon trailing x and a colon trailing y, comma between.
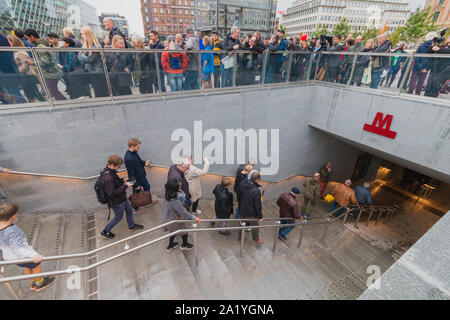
x: 184, y: 237
x: 195, y: 206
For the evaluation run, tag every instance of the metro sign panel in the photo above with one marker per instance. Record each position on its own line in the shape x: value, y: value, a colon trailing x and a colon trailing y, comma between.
x: 381, y: 125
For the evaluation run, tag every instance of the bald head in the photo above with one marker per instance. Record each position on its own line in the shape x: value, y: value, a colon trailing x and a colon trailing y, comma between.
x: 348, y: 182
x: 108, y: 23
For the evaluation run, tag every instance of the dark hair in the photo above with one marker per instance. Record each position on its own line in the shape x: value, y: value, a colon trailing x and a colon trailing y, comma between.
x: 255, y: 176
x: 172, y: 186
x: 351, y: 42
x: 8, y: 210
x: 282, y: 31
x: 154, y: 32
x: 225, y: 182
x: 52, y: 35
x: 339, y: 36
x: 115, y: 160
x: 69, y: 41
x: 19, y: 33
x: 32, y: 33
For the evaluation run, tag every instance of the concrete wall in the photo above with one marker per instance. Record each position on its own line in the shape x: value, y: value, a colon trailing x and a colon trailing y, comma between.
x: 423, y: 128
x: 76, y: 141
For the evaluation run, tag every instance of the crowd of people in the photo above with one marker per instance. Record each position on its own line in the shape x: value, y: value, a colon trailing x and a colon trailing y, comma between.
x: 81, y: 74
x: 181, y: 199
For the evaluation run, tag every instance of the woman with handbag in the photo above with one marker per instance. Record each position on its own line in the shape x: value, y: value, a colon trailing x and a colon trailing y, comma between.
x: 120, y: 65
x: 173, y: 209
x: 362, y: 65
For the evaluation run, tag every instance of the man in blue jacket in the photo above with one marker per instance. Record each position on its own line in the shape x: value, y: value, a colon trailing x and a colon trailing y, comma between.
x: 136, y: 167
x: 421, y: 65
x: 363, y: 195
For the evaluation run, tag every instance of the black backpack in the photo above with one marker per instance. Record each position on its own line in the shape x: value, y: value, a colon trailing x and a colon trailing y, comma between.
x: 99, y: 191
x: 176, y: 62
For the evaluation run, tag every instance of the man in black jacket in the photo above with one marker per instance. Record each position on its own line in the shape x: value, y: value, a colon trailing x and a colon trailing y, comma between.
x: 110, y: 26
x: 156, y: 44
x: 380, y: 62
x: 177, y: 172
x: 333, y: 61
x: 115, y: 190
x: 136, y: 167
x: 230, y: 43
x: 250, y: 203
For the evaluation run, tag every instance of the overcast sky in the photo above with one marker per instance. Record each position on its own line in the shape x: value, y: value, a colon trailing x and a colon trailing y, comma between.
x: 131, y: 10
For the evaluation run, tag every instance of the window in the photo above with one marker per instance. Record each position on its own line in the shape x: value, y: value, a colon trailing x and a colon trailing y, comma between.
x: 161, y: 10
x: 155, y: 10
x: 436, y: 16
x: 156, y: 19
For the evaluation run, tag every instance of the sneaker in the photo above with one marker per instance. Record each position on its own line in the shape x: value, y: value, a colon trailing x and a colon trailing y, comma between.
x: 248, y: 230
x: 225, y: 232
x: 33, y: 286
x: 259, y: 241
x: 44, y: 284
x: 186, y: 246
x: 306, y: 216
x: 136, y: 227
x: 107, y: 235
x: 281, y: 237
x: 173, y: 246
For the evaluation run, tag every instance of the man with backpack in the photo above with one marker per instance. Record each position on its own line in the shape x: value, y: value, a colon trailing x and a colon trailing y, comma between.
x: 174, y: 64
x: 111, y: 189
x: 110, y: 26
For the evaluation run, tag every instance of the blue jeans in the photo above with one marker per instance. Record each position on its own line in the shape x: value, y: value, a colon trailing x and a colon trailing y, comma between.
x: 175, y: 81
x: 376, y: 76
x: 237, y: 216
x: 284, y: 231
x: 118, y: 215
x: 191, y: 80
x: 334, y: 206
x: 227, y: 76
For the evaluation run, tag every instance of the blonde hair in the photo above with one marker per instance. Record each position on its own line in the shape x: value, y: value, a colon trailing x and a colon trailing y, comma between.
x: 206, y: 41
x: 91, y: 38
x: 115, y: 39
x: 68, y: 31
x: 138, y: 40
x: 16, y: 42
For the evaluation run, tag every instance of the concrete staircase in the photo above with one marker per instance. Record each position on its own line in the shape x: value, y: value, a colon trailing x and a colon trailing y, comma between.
x: 333, y: 267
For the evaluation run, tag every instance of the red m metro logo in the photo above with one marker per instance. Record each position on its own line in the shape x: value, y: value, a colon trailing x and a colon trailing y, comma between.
x: 381, y: 125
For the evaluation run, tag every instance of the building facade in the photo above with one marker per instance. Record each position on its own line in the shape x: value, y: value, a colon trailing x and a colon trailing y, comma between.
x: 120, y: 21
x: 43, y: 16
x: 441, y: 12
x: 305, y: 16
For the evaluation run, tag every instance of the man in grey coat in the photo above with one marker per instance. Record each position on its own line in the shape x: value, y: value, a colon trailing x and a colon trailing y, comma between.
x: 192, y: 68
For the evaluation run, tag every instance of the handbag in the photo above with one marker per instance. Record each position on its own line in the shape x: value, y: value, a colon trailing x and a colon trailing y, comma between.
x: 321, y: 74
x: 140, y: 199
x: 227, y: 62
x: 367, y: 75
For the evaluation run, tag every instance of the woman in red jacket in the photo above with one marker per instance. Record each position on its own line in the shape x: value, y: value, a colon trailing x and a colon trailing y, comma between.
x: 174, y: 64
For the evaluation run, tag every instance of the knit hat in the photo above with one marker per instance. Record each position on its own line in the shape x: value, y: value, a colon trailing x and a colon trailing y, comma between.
x: 295, y: 190
x: 190, y: 30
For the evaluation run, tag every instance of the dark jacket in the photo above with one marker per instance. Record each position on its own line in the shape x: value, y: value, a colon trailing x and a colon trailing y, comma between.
x: 117, y: 62
x: 229, y: 43
x: 324, y: 174
x: 288, y: 206
x: 239, y: 178
x: 250, y: 205
x: 7, y: 62
x: 115, y: 31
x: 114, y: 187
x: 224, y: 202
x: 363, y: 195
x: 135, y: 166
x: 334, y: 60
x: 176, y: 173
x: 421, y: 62
x: 78, y: 43
x: 381, y: 62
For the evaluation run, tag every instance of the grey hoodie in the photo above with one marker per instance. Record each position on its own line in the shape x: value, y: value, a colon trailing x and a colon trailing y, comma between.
x: 192, y: 44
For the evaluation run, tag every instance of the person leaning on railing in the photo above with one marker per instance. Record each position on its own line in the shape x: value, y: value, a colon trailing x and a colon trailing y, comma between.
x: 362, y: 62
x: 440, y: 70
x: 143, y: 71
x: 343, y: 195
x: 120, y: 65
x: 288, y: 209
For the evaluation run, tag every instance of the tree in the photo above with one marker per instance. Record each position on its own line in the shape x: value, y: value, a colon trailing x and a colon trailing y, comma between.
x: 398, y: 35
x: 321, y: 29
x: 342, y: 28
x: 418, y: 25
x: 370, y: 33
x: 281, y: 27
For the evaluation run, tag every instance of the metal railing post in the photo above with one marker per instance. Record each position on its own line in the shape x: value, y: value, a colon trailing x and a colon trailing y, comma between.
x: 200, y: 71
x: 406, y: 75
x: 158, y: 73
x: 308, y: 73
x: 8, y: 285
x: 352, y: 71
x: 195, y: 225
x: 105, y: 68
x: 346, y: 214
x: 275, y: 240
x: 288, y: 76
x: 317, y: 66
x: 241, y: 252
x: 41, y: 76
x: 301, y: 235
x: 370, y: 216
x: 379, y: 216
x: 264, y: 67
x: 361, y: 210
x: 234, y: 68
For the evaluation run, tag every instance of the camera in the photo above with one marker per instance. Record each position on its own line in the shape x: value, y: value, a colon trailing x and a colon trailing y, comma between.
x: 324, y: 39
x: 437, y: 41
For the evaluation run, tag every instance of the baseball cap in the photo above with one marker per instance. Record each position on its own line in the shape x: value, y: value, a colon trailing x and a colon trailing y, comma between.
x: 295, y: 190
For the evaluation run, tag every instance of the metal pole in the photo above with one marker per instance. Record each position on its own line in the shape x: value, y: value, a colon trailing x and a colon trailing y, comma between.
x: 406, y: 75
x: 275, y: 240
x: 353, y: 70
x: 308, y: 73
x: 301, y: 236
x: 41, y: 76
x: 234, y: 68
x: 264, y: 66
x: 357, y: 219
x: 346, y: 215
x: 108, y: 82
x: 288, y: 76
x: 200, y: 70
x: 217, y: 15
x: 8, y: 285
x: 195, y: 225
x: 379, y: 216
x: 317, y: 66
x: 242, y: 239
x: 195, y: 13
x: 158, y: 73
x: 370, y: 216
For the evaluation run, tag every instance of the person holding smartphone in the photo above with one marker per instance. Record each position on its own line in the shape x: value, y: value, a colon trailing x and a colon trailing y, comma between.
x: 136, y: 167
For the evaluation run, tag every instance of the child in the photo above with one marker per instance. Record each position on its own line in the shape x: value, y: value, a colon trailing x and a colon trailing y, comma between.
x: 224, y: 203
x: 14, y: 246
